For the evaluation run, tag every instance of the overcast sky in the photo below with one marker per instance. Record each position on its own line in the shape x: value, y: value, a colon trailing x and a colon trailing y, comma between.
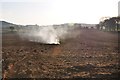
x: 47, y: 12
x: 119, y: 8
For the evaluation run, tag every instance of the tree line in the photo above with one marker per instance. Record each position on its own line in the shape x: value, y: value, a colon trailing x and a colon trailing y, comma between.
x: 110, y: 24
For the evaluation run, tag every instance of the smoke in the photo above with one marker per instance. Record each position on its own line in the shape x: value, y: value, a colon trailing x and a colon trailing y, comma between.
x: 47, y: 34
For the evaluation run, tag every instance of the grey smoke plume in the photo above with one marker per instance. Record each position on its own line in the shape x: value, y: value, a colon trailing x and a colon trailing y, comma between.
x: 47, y: 34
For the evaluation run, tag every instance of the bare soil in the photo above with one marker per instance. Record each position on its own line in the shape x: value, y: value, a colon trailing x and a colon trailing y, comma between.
x: 92, y: 54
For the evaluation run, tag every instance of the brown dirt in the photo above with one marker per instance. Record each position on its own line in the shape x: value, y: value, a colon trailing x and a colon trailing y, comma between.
x: 92, y: 54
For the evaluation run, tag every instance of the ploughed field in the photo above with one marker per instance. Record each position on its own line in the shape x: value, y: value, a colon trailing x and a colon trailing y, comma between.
x: 92, y: 54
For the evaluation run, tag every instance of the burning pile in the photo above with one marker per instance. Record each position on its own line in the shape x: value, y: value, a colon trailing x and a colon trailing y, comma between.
x: 46, y: 34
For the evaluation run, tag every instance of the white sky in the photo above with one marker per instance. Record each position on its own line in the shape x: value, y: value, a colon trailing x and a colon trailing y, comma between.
x: 46, y: 12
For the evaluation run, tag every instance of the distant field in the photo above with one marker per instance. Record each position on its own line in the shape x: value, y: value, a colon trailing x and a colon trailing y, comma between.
x: 92, y: 54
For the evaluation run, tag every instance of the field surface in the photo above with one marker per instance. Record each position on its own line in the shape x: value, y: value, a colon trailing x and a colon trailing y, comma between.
x: 92, y: 54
